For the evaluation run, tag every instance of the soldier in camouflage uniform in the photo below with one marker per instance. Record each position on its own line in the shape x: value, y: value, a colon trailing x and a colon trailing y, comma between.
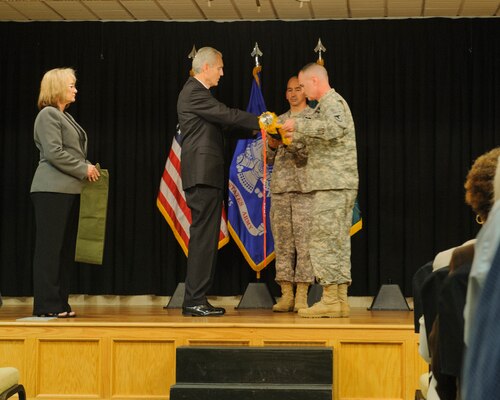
x: 332, y: 175
x: 290, y: 209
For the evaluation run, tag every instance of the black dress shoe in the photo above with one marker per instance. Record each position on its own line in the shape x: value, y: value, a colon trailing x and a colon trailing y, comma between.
x: 203, y: 310
x: 216, y: 308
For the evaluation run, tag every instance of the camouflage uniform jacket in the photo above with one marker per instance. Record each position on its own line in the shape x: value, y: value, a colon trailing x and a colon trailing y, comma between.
x: 331, y: 142
x: 289, y: 162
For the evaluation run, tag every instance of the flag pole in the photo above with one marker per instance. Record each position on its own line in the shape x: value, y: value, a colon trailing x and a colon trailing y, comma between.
x: 257, y: 294
x: 256, y: 53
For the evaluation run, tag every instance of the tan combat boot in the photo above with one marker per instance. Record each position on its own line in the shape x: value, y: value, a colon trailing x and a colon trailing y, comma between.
x: 344, y: 303
x: 285, y: 304
x: 328, y: 306
x: 301, y: 296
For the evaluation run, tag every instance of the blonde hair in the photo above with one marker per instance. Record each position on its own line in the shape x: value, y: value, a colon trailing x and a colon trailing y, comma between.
x: 53, y: 86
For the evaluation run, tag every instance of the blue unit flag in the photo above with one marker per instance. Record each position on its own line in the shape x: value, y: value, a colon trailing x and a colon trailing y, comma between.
x: 249, y: 222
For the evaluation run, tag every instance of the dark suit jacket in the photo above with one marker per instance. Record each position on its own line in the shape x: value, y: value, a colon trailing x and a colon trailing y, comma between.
x: 431, y: 289
x: 201, y: 117
x: 451, y: 317
x: 417, y: 283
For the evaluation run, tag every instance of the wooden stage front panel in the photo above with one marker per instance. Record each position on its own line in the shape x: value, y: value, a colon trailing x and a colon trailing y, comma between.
x: 116, y: 352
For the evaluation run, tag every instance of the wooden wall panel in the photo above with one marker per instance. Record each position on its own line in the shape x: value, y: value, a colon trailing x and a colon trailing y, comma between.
x: 295, y: 343
x: 371, y: 370
x: 143, y: 367
x: 224, y: 342
x: 12, y: 354
x: 68, y: 367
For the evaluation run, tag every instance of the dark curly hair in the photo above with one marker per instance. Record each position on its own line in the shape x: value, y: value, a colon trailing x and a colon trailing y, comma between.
x: 479, y: 183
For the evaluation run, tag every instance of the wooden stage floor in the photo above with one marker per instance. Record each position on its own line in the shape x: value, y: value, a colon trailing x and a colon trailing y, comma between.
x: 360, y: 318
x: 129, y: 352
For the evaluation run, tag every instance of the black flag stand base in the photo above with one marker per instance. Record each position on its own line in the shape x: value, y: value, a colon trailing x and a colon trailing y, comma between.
x: 257, y: 295
x: 389, y: 298
x: 315, y: 293
x: 177, y: 298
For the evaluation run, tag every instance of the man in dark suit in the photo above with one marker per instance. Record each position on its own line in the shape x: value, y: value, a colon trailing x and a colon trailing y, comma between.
x: 202, y: 168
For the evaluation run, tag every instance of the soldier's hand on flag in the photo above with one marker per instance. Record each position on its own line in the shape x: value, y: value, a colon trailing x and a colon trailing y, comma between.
x: 288, y: 127
x: 288, y: 137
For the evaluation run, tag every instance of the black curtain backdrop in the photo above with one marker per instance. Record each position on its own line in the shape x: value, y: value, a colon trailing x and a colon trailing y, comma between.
x: 425, y: 96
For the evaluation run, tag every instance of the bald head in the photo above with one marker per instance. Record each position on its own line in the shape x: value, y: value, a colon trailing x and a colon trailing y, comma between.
x: 316, y: 70
x: 314, y: 79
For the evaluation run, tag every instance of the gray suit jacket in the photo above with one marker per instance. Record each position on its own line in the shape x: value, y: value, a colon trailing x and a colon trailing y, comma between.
x: 201, y: 118
x: 63, y: 151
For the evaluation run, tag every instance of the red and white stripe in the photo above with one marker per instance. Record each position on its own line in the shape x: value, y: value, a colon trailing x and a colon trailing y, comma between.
x: 172, y: 204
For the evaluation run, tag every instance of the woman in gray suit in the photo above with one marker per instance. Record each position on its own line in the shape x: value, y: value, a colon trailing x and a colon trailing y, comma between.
x: 55, y: 192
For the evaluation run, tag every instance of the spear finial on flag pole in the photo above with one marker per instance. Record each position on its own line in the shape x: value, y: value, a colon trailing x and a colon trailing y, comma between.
x: 256, y: 53
x: 191, y: 56
x: 193, y: 52
x: 318, y: 49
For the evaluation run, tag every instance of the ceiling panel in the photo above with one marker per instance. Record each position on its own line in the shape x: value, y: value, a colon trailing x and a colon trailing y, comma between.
x: 404, y: 8
x: 326, y: 9
x: 440, y: 12
x: 36, y: 10
x: 218, y: 9
x: 368, y: 13
x: 9, y: 13
x: 108, y: 9
x: 181, y: 9
x: 72, y: 10
x: 249, y: 10
x: 442, y: 3
x: 442, y: 8
x: 287, y: 9
x: 144, y: 9
x: 233, y: 10
x: 480, y: 7
x: 367, y: 8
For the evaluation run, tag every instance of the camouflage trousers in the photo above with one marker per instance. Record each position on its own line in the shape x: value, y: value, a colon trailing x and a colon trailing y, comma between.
x: 330, y: 242
x: 290, y: 216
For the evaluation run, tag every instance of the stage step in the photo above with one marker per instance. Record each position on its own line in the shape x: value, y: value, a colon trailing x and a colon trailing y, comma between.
x: 240, y: 391
x: 295, y: 365
x: 247, y: 373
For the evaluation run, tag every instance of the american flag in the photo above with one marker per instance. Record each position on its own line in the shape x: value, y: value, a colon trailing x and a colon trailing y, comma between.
x: 171, y: 200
